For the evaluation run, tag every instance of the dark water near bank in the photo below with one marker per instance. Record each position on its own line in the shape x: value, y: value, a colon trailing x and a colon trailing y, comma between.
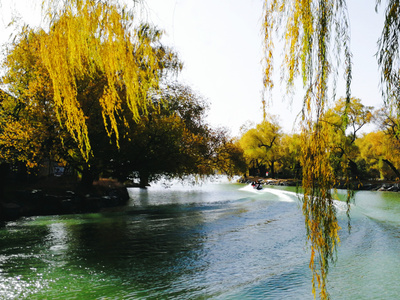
x: 218, y: 241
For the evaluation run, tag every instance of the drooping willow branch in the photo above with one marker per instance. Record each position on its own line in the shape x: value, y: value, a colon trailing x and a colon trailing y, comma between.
x: 389, y: 55
x: 315, y: 37
x: 88, y: 37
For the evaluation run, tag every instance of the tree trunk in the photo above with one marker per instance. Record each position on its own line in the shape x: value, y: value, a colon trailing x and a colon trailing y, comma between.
x: 297, y: 171
x: 392, y: 167
x: 272, y: 168
x: 22, y: 173
x: 4, y: 170
x: 262, y: 170
x: 144, y: 179
x: 88, y: 177
x: 353, y: 169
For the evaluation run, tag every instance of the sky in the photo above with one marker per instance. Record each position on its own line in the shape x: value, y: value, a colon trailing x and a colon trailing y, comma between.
x: 220, y: 44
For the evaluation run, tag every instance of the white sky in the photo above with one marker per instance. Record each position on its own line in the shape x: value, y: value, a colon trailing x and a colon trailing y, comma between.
x: 220, y: 43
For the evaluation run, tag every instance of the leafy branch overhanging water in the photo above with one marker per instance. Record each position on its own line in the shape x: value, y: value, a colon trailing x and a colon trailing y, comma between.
x: 315, y: 37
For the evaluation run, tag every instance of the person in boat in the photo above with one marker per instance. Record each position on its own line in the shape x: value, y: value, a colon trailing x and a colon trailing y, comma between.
x: 257, y: 185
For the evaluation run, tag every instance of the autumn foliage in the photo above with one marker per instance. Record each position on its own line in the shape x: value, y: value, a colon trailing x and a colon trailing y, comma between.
x: 95, y: 92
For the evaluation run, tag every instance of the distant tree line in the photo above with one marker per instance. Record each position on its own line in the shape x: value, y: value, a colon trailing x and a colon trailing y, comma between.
x: 364, y: 155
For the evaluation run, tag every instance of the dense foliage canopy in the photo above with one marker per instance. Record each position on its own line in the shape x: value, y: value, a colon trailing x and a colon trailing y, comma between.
x: 91, y: 37
x: 94, y: 94
x: 48, y: 121
x: 260, y: 146
x: 353, y: 157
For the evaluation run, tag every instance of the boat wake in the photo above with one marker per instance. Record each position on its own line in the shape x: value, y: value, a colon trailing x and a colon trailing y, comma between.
x: 288, y: 196
x: 284, y: 196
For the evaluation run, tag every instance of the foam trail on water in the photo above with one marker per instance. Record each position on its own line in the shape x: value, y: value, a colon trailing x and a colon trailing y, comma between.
x: 340, y: 205
x: 287, y: 196
x: 249, y: 188
x: 283, y: 195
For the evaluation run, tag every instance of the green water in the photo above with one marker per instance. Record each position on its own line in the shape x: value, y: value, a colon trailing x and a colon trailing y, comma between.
x: 217, y: 241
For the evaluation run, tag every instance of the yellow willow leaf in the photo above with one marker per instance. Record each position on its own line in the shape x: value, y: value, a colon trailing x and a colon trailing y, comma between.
x: 110, y: 103
x: 91, y: 37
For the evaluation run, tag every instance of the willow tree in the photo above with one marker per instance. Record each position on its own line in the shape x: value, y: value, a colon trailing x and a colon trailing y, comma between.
x: 261, y: 145
x: 80, y: 99
x: 389, y: 55
x: 342, y: 139
x: 380, y: 155
x: 315, y: 38
x: 90, y: 37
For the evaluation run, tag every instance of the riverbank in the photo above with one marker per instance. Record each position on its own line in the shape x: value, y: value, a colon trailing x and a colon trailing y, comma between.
x: 269, y: 181
x: 60, y: 196
x: 370, y: 185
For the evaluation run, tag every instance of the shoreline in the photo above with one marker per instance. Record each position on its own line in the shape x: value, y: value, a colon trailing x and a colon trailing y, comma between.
x: 56, y: 197
x: 63, y: 198
x: 366, y: 185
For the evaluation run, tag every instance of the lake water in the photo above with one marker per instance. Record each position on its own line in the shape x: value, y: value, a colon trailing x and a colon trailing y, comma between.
x: 215, y: 241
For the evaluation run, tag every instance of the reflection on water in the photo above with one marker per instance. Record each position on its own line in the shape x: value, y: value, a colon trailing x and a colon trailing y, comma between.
x: 218, y: 241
